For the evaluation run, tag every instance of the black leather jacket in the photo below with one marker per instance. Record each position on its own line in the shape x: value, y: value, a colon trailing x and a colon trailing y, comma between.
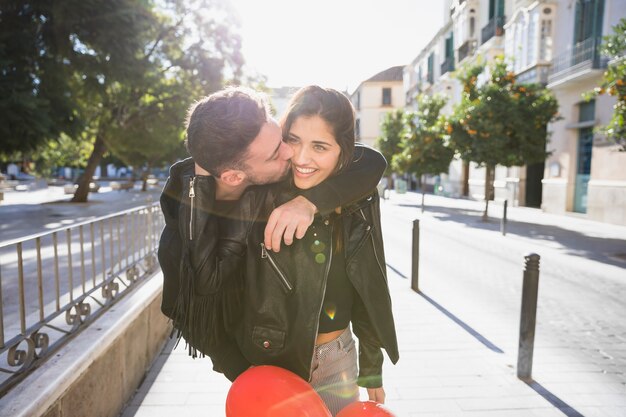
x: 202, y: 265
x: 284, y: 292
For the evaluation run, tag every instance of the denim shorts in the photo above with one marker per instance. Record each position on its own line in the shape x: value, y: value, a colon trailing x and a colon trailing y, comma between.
x: 334, y: 372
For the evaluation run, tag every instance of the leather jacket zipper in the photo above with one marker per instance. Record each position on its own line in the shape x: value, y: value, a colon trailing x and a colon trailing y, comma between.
x: 374, y: 248
x: 319, y: 312
x: 192, y: 195
x: 266, y: 255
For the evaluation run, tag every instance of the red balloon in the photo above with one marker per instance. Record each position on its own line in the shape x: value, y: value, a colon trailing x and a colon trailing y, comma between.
x: 270, y: 391
x: 365, y: 409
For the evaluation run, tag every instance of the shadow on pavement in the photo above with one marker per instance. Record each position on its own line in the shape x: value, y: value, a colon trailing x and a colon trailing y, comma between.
x: 575, y: 243
x: 553, y: 399
x: 482, y: 339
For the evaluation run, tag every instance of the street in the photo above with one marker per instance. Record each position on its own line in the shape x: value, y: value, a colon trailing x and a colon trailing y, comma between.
x: 469, y: 268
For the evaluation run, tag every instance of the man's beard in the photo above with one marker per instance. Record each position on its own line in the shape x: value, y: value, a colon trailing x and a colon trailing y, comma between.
x: 268, y: 179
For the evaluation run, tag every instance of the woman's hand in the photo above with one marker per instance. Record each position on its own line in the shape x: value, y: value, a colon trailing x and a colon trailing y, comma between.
x: 376, y: 394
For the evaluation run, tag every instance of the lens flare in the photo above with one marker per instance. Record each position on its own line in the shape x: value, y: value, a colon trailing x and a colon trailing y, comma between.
x: 318, y: 247
x: 330, y: 310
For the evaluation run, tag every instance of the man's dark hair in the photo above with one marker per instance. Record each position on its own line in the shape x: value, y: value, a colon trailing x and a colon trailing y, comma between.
x: 220, y: 128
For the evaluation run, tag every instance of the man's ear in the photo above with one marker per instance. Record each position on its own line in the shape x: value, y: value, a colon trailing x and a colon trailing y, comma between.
x: 233, y: 177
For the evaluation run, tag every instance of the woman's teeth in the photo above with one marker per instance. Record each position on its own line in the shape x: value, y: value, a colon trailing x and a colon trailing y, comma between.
x: 305, y: 170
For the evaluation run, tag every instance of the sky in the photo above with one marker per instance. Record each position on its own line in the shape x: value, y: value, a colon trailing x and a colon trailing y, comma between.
x: 333, y: 43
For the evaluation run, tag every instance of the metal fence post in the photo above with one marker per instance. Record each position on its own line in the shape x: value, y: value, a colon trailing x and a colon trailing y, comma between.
x: 503, y: 221
x: 416, y: 256
x: 528, y: 317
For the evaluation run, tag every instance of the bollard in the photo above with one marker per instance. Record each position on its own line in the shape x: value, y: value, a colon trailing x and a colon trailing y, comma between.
x: 503, y: 221
x: 528, y: 317
x: 423, y: 201
x: 416, y: 256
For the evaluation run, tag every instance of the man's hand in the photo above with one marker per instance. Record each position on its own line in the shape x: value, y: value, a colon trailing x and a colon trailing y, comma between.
x: 291, y: 219
x: 376, y: 394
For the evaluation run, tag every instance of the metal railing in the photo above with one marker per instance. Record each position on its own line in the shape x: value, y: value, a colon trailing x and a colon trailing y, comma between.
x: 495, y: 27
x: 580, y: 56
x: 447, y: 65
x: 536, y: 74
x: 466, y: 49
x: 53, y: 284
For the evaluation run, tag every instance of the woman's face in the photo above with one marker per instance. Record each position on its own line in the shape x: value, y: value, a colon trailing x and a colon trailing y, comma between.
x: 316, y: 152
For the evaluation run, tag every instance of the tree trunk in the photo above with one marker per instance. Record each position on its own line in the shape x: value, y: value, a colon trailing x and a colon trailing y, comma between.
x: 82, y: 192
x: 465, y: 178
x: 488, y: 190
x: 144, y: 178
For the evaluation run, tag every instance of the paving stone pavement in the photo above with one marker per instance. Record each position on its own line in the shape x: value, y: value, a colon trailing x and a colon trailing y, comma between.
x: 443, y: 371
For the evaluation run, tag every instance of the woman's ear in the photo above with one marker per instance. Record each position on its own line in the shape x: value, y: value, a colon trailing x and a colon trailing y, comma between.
x: 233, y: 177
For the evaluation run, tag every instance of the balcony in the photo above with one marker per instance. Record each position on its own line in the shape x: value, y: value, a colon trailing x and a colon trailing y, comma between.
x: 466, y: 49
x: 537, y: 73
x: 495, y: 27
x: 578, y: 59
x: 411, y: 94
x: 448, y: 65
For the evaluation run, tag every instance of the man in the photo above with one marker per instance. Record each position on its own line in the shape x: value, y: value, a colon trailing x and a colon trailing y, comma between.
x: 236, y: 148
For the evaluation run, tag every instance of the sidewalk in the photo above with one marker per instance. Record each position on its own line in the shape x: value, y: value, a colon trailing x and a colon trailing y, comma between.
x: 446, y: 368
x: 443, y: 371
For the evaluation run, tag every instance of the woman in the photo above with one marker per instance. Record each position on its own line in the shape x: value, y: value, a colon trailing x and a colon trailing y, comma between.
x: 300, y: 303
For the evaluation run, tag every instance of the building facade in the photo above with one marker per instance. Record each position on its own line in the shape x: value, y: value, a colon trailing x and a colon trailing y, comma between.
x: 373, y: 99
x: 585, y: 173
x: 554, y: 43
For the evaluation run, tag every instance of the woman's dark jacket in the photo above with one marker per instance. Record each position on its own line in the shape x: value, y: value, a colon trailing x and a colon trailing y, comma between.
x: 284, y: 291
x: 202, y: 256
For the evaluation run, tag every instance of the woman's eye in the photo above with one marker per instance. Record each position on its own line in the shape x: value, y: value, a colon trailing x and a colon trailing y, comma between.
x: 320, y: 148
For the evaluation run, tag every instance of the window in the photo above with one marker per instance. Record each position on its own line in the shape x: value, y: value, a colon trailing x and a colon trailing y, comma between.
x: 588, y: 23
x: 496, y: 8
x: 587, y: 111
x: 430, y: 75
x: 386, y: 96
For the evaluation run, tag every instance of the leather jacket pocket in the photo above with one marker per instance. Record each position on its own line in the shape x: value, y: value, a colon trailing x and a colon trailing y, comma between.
x: 270, y: 340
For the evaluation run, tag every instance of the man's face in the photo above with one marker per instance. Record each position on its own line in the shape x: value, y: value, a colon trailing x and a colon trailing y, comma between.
x: 268, y: 157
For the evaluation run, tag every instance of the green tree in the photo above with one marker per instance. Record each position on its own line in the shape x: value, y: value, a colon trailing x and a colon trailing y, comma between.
x: 614, y: 83
x: 36, y: 100
x: 424, y: 147
x: 392, y: 129
x: 152, y: 140
x: 63, y: 152
x: 501, y: 122
x: 184, y: 55
x: 102, y: 71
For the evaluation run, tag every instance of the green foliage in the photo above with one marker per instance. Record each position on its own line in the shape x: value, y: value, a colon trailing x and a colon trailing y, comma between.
x: 393, y: 129
x: 501, y: 122
x: 64, y: 152
x: 424, y: 146
x: 117, y: 75
x: 614, y: 83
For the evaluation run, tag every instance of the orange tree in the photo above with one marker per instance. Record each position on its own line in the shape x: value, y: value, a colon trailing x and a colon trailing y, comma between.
x: 614, y: 83
x: 392, y: 129
x: 500, y: 122
x: 424, y: 146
